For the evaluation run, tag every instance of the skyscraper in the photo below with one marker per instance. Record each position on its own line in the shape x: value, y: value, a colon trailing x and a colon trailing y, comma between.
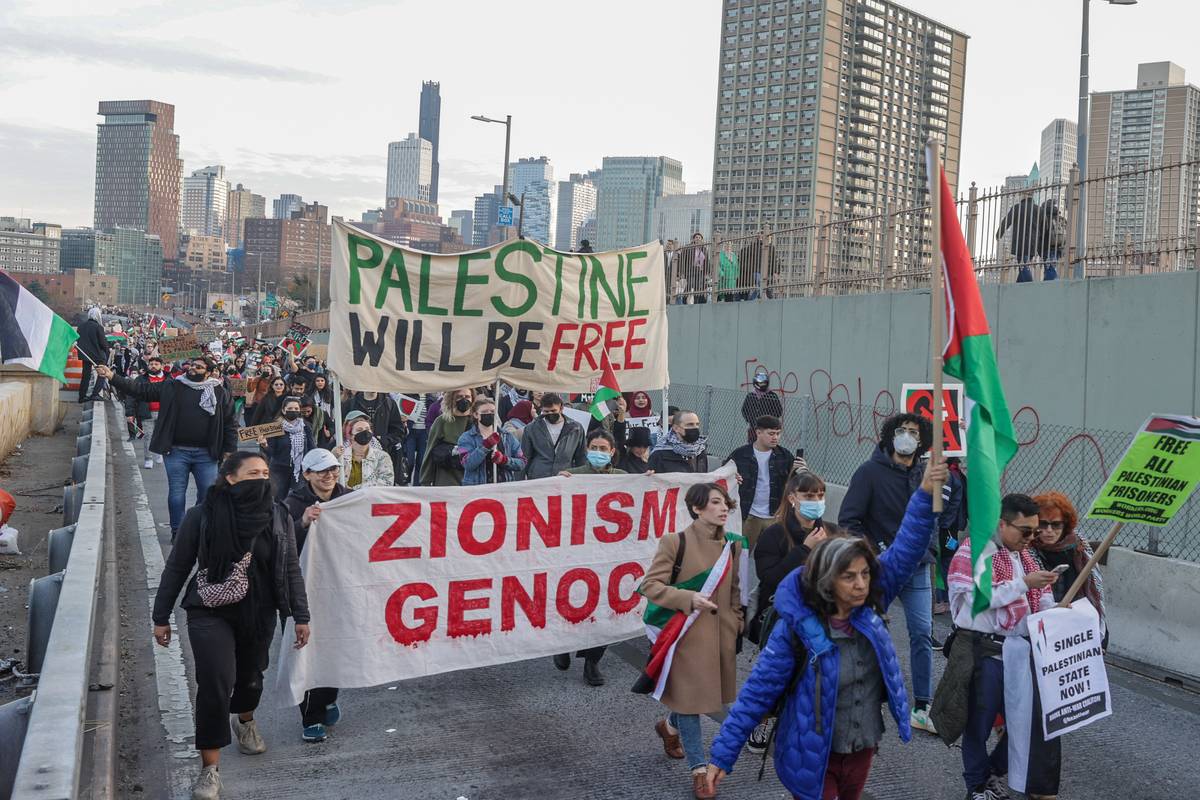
x: 823, y: 113
x: 533, y: 178
x: 286, y: 205
x: 243, y: 205
x: 1058, y: 151
x: 138, y: 170
x: 681, y: 215
x: 410, y: 168
x: 1130, y: 133
x: 630, y: 187
x: 576, y: 205
x: 463, y: 222
x: 205, y: 202
x: 290, y: 248
x: 483, y: 220
x: 429, y: 128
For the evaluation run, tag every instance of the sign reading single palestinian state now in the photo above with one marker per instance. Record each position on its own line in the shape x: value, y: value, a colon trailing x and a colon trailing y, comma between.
x: 917, y: 398
x: 518, y: 311
x: 404, y: 582
x: 1156, y: 475
x: 1069, y: 667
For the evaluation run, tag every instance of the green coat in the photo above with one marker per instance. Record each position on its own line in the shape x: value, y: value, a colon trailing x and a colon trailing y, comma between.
x: 443, y: 430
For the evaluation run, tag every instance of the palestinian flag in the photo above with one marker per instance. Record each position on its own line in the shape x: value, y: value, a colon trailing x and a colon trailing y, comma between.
x: 1173, y: 426
x: 970, y: 357
x: 30, y: 333
x: 607, y: 390
x: 159, y: 325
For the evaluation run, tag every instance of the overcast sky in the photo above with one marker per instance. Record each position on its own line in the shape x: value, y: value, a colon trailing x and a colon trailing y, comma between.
x: 303, y: 96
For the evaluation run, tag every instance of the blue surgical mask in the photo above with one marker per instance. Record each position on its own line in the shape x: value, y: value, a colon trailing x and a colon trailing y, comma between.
x: 811, y: 509
x: 597, y: 459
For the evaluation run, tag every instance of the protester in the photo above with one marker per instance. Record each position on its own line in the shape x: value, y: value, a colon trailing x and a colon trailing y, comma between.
x: 764, y: 466
x: 146, y: 411
x: 693, y: 266
x: 873, y: 507
x: 682, y: 449
x: 703, y: 671
x: 387, y: 423
x: 195, y: 429
x: 951, y: 522
x: 93, y: 346
x: 271, y: 405
x: 1052, y: 229
x: 986, y: 647
x: 364, y: 464
x: 415, y: 437
x: 639, y: 404
x: 488, y: 454
x: 552, y: 442
x: 832, y: 662
x: 1058, y: 545
x: 761, y: 401
x: 1024, y: 219
x: 634, y: 459
x: 285, y: 453
x: 319, y: 710
x: 441, y: 466
x: 758, y: 262
x: 236, y: 529
x: 518, y: 418
x: 727, y: 271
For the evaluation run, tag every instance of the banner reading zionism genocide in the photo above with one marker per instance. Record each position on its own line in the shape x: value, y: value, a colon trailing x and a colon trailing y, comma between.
x: 517, y: 311
x: 406, y: 582
x: 1156, y: 475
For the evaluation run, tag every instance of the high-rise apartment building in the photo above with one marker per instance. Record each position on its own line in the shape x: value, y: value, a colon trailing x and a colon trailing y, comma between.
x: 138, y: 265
x: 533, y: 178
x: 429, y: 129
x: 483, y: 219
x: 289, y: 248
x: 410, y: 168
x: 138, y: 170
x: 205, y: 202
x: 630, y: 187
x: 679, y: 216
x: 414, y: 224
x: 1058, y: 153
x: 201, y: 253
x: 243, y: 205
x: 29, y: 247
x: 576, y: 205
x: 286, y: 205
x: 87, y: 248
x: 1130, y: 133
x: 823, y: 111
x: 463, y: 222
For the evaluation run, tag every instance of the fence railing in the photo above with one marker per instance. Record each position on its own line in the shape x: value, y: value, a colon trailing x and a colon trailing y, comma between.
x: 1141, y: 219
x: 838, y: 436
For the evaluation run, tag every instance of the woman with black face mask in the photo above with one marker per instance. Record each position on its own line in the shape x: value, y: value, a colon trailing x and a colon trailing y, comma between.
x: 488, y: 454
x: 241, y: 545
x: 285, y: 453
x: 364, y: 463
x: 442, y: 466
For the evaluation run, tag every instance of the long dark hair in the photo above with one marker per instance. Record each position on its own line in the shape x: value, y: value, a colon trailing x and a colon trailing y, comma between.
x: 802, y: 481
x: 826, y: 562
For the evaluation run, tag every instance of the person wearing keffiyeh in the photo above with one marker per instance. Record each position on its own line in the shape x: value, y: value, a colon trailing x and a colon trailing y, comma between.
x: 285, y: 453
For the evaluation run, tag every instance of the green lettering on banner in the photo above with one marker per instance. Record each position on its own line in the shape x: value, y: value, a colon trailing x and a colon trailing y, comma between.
x: 600, y: 280
x: 516, y: 277
x: 353, y: 243
x: 423, y: 306
x: 394, y: 267
x: 558, y: 265
x: 632, y: 309
x: 465, y: 279
x: 582, y: 285
x: 1128, y: 495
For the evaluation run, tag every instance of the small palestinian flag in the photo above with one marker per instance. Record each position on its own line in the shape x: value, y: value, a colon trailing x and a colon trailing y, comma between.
x: 30, y: 333
x: 1173, y: 426
x: 608, y: 389
x: 158, y: 325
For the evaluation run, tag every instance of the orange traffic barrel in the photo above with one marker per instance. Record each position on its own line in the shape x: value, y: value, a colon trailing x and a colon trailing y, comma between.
x: 74, y: 371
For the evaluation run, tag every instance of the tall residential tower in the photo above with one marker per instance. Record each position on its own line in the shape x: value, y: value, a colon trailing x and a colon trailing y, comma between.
x: 429, y: 128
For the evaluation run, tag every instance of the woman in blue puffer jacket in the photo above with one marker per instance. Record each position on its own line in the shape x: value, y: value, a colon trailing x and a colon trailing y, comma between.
x: 833, y: 608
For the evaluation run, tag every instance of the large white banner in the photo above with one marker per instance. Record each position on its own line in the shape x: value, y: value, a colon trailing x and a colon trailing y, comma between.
x: 1069, y: 663
x: 404, y: 582
x: 518, y: 311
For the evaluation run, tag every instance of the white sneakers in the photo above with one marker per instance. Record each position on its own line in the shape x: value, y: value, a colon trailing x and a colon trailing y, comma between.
x: 208, y: 785
x: 250, y: 742
x: 147, y: 464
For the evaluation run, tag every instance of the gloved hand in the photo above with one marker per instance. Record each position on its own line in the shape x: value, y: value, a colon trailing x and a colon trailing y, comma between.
x: 492, y: 440
x: 498, y: 458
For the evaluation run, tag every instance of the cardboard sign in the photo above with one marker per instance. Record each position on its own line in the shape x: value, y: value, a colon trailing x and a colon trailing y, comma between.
x: 296, y: 341
x: 1156, y: 475
x: 268, y: 431
x: 237, y: 386
x: 179, y: 347
x: 917, y: 398
x: 1069, y: 668
x: 651, y: 421
x: 204, y: 335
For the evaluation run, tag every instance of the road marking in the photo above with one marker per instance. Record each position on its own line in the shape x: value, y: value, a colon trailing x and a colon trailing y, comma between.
x: 174, y: 695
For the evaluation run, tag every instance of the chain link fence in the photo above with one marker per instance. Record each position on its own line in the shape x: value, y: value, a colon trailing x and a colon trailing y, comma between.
x: 837, y: 436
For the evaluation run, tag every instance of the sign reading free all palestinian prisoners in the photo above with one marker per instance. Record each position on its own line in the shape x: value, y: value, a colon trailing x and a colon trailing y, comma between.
x: 1156, y: 475
x: 518, y: 312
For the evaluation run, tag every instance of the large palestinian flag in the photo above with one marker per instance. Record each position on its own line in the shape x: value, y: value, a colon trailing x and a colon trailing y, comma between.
x: 30, y: 333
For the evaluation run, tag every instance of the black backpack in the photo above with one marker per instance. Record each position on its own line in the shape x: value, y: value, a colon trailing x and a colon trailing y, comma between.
x: 800, y: 653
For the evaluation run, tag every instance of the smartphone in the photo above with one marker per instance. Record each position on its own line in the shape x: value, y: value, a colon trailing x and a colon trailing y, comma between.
x: 1060, y: 569
x: 800, y: 453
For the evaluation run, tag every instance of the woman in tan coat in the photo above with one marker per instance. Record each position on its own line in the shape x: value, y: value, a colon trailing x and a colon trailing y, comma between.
x: 703, y: 674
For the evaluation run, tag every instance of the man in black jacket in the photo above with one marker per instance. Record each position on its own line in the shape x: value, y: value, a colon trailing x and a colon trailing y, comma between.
x: 682, y: 448
x: 764, y: 467
x: 194, y: 431
x: 93, y: 346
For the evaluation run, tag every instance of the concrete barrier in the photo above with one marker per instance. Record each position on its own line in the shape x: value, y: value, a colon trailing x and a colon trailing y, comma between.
x: 15, y: 407
x: 46, y: 410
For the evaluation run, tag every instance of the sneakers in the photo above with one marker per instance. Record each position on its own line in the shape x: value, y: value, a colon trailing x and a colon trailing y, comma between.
x: 332, y: 714
x: 248, y: 739
x: 314, y: 733
x: 919, y: 719
x: 935, y: 643
x: 980, y: 793
x: 995, y: 785
x: 147, y: 464
x: 208, y: 785
x: 759, y: 737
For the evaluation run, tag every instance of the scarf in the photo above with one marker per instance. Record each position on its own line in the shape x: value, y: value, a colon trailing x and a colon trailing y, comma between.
x: 681, y: 448
x: 1002, y: 572
x: 208, y: 396
x: 294, y: 428
x: 1081, y: 553
x: 232, y: 516
x: 634, y: 411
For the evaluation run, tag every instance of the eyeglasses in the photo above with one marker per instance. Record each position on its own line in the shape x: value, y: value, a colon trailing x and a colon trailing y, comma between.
x: 329, y: 471
x: 1026, y: 531
x: 1047, y: 525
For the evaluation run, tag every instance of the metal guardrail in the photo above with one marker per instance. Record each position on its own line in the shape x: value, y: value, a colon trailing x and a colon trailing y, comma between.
x: 51, y: 757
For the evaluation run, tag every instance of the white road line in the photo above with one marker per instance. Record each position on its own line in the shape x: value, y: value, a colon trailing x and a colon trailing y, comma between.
x: 174, y: 696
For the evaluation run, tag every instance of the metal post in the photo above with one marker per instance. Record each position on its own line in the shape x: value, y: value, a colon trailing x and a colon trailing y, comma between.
x: 1081, y: 138
x: 1196, y: 249
x: 972, y: 221
x: 504, y: 186
x: 889, y: 245
x: 819, y: 266
x: 1073, y: 250
x: 708, y: 393
x: 320, y: 231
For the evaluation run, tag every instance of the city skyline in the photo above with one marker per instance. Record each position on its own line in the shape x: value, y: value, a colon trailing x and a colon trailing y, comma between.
x: 49, y: 141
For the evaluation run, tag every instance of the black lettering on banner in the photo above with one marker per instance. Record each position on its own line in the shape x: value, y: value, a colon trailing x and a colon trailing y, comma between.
x: 444, y: 364
x: 414, y: 349
x: 524, y: 345
x: 367, y: 345
x: 497, y: 352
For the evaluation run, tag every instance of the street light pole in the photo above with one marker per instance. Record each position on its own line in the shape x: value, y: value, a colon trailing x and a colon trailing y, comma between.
x: 507, y: 123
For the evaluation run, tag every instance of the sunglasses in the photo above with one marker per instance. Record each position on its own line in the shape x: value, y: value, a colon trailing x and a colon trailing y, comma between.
x: 1026, y: 531
x: 1051, y: 526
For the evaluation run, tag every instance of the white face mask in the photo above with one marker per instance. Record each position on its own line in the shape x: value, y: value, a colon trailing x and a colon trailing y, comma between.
x: 904, y: 443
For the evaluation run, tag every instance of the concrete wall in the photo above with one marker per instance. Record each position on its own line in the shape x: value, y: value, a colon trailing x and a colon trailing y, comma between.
x: 46, y: 409
x: 15, y: 405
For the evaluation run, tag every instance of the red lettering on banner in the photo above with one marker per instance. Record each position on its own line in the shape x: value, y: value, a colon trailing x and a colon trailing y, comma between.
x: 559, y: 343
x: 613, y: 344
x: 406, y: 514
x: 437, y: 530
x: 529, y: 517
x: 661, y: 517
x: 562, y: 599
x: 633, y: 341
x: 466, y: 527
x: 618, y: 338
x: 459, y: 604
x: 579, y: 504
x: 589, y: 336
x: 623, y: 605
x: 512, y: 594
x: 606, y: 511
x: 427, y: 615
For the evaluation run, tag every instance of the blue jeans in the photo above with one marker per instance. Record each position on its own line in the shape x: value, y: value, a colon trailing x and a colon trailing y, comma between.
x: 917, y: 597
x: 179, y: 463
x: 414, y: 451
x: 985, y: 700
x: 688, y: 726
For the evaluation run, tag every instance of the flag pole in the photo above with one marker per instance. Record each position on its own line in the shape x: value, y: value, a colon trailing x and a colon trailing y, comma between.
x: 937, y: 302
x: 1091, y: 565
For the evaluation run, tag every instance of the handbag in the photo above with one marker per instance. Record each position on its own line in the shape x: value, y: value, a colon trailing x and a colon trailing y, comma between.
x: 229, y: 591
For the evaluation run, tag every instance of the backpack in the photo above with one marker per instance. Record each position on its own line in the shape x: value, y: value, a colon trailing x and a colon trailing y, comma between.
x: 800, y: 652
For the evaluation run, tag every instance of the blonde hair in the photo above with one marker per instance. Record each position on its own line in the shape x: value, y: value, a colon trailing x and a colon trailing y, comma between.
x: 448, y: 402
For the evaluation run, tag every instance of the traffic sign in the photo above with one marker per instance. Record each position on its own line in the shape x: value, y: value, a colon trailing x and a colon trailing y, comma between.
x: 504, y: 217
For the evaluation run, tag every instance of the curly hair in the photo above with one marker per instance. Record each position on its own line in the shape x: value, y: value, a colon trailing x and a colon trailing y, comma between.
x: 1058, y: 501
x: 888, y: 432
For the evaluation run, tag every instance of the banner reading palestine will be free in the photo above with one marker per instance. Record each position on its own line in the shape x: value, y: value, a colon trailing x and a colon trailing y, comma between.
x: 517, y: 311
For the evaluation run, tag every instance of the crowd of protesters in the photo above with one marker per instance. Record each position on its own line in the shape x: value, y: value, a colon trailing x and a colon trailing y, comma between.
x: 815, y: 608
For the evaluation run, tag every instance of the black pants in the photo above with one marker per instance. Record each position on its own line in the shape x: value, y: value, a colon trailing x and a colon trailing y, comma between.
x: 85, y: 380
x: 229, y: 674
x: 592, y: 653
x: 312, y: 709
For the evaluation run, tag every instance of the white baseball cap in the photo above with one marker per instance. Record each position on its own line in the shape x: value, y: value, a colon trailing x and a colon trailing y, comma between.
x: 319, y: 460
